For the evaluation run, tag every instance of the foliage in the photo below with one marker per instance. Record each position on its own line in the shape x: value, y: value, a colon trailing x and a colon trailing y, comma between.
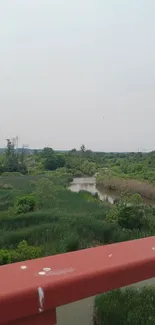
x: 128, y: 306
x: 78, y: 173
x: 131, y: 214
x: 21, y: 253
x: 129, y: 166
x: 60, y: 220
x: 131, y: 217
x: 61, y: 176
x: 83, y: 149
x: 111, y: 182
x: 25, y: 204
x: 80, y: 165
x: 52, y: 160
x: 72, y: 243
x: 13, y: 161
x: 88, y: 196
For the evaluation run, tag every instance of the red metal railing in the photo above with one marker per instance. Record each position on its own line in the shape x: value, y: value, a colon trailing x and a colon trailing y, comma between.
x: 31, y: 291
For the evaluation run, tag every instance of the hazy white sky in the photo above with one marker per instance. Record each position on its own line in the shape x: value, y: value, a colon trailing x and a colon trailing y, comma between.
x: 64, y: 64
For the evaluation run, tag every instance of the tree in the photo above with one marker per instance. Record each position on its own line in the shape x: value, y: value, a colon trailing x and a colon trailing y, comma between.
x: 47, y: 152
x: 14, y: 161
x: 52, y: 160
x: 72, y: 151
x: 11, y: 158
x: 83, y: 149
x: 51, y: 163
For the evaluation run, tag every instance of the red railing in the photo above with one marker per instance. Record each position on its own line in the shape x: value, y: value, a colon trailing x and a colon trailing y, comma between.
x: 31, y: 291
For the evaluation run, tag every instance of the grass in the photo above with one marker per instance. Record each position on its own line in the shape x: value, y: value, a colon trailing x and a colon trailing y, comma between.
x: 129, y: 306
x: 56, y: 221
x: 66, y: 213
x: 145, y: 189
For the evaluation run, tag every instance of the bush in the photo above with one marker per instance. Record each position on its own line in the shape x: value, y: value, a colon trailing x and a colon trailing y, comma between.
x: 26, y: 204
x: 88, y: 196
x: 131, y: 217
x: 72, y: 244
x: 5, y: 257
x: 26, y: 252
x: 78, y: 173
x: 131, y: 214
x: 21, y: 253
x: 128, y: 306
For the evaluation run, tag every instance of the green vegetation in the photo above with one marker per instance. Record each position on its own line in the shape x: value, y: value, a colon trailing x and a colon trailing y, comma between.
x: 25, y: 204
x: 120, y: 184
x: 40, y: 216
x: 39, y: 208
x: 131, y: 172
x: 21, y: 253
x: 45, y: 213
x: 12, y: 161
x: 129, y: 306
x: 130, y: 213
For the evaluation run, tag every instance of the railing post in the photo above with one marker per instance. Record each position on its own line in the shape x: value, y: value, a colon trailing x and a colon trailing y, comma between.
x: 47, y: 317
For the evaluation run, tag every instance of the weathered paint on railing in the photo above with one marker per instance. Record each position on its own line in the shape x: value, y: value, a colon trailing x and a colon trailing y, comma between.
x: 31, y: 291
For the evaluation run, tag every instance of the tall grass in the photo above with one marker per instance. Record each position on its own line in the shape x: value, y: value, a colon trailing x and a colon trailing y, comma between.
x: 64, y: 221
x: 145, y: 189
x: 126, y: 307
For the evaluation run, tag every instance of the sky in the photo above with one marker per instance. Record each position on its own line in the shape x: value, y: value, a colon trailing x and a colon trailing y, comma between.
x: 66, y: 64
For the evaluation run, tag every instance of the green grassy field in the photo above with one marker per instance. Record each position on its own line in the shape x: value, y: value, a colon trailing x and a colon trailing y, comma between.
x: 61, y: 221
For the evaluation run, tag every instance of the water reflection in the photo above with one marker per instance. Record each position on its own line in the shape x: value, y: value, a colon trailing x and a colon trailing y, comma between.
x: 89, y: 184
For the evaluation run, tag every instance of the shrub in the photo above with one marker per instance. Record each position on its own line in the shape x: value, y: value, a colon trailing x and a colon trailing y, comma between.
x: 72, y: 244
x: 26, y: 252
x: 5, y: 257
x: 130, y: 217
x: 88, y: 196
x: 78, y: 173
x: 21, y: 253
x: 128, y: 306
x: 26, y: 204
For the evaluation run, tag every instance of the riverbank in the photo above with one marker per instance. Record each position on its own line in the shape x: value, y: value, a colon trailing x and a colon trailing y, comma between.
x: 121, y: 185
x: 105, y: 194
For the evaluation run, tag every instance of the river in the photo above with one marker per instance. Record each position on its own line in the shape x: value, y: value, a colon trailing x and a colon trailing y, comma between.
x: 81, y: 312
x: 89, y: 184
